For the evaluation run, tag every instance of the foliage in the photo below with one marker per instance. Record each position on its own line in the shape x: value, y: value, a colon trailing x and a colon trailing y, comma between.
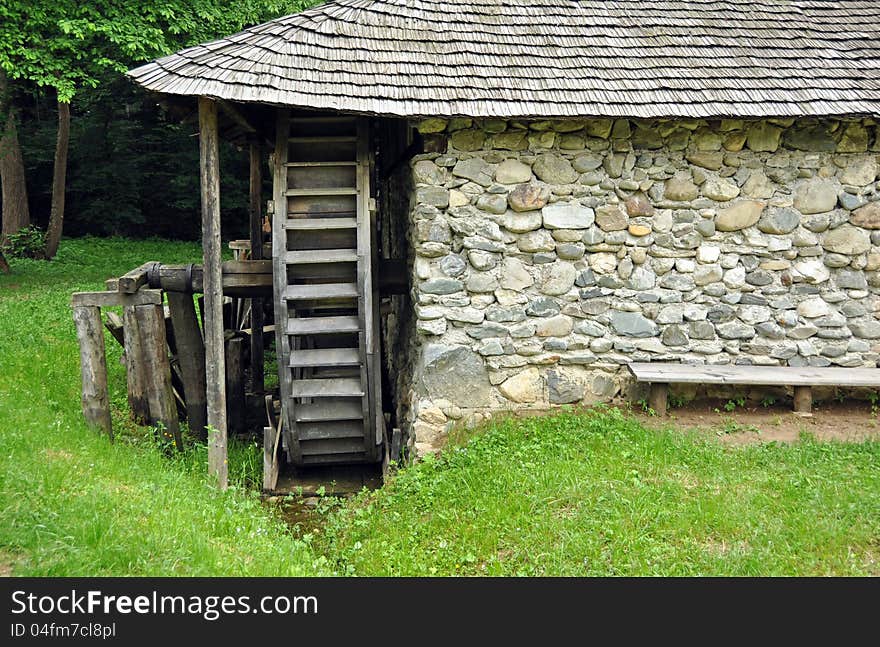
x: 596, y: 493
x: 731, y: 426
x: 67, y: 45
x: 71, y: 503
x: 131, y: 171
x: 29, y: 242
x: 677, y: 401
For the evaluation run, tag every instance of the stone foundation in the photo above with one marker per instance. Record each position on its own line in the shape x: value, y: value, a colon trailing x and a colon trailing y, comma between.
x: 549, y: 254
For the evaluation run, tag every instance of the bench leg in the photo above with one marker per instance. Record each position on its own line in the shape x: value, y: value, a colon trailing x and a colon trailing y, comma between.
x: 657, y: 398
x: 803, y: 399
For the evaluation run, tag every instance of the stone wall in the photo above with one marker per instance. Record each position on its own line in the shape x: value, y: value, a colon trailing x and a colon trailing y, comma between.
x: 549, y: 254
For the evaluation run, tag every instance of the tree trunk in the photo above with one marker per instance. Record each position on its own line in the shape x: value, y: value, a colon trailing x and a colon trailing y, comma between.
x: 59, y: 181
x: 16, y: 214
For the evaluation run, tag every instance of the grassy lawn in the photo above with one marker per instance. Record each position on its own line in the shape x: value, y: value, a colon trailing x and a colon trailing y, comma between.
x: 595, y: 493
x: 578, y: 493
x: 73, y: 504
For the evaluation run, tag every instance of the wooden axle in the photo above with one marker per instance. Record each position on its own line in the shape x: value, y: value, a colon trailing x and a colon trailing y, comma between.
x: 245, y: 279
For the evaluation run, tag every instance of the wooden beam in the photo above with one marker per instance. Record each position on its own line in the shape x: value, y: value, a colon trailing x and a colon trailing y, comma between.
x: 114, y: 325
x: 133, y: 281
x: 93, y: 362
x: 256, y: 235
x: 135, y: 371
x: 215, y: 361
x: 157, y: 368
x: 110, y: 299
x: 235, y: 393
x: 191, y: 357
x: 234, y: 115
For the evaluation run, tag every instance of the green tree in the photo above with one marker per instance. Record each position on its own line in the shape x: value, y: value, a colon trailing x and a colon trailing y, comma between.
x: 66, y: 45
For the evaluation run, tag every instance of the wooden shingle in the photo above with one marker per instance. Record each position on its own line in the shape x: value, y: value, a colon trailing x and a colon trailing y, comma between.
x: 544, y: 58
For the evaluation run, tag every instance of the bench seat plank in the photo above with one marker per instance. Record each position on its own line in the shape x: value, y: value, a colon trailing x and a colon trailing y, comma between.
x: 669, y: 373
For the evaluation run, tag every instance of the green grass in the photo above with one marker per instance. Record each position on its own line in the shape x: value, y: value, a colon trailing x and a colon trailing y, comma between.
x: 597, y: 494
x: 577, y: 493
x: 73, y: 504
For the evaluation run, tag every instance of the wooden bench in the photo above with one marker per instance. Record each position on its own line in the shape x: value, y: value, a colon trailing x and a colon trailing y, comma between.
x: 660, y: 375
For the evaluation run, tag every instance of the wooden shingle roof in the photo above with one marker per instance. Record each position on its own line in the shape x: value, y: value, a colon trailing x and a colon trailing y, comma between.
x: 547, y: 58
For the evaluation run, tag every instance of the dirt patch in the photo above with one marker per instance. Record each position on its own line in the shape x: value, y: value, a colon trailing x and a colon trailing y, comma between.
x: 848, y: 421
x: 7, y: 564
x: 57, y: 454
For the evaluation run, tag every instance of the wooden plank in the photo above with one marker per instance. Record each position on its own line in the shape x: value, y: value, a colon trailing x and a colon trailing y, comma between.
x: 322, y: 204
x: 330, y: 430
x: 93, y: 367
x: 279, y: 273
x: 754, y: 375
x: 371, y: 373
x: 191, y: 357
x: 339, y: 387
x: 325, y: 357
x: 325, y: 410
x: 326, y: 139
x: 320, y: 291
x: 270, y: 460
x: 114, y: 325
x: 319, y: 164
x: 322, y: 325
x: 312, y: 256
x: 215, y: 362
x: 135, y: 368
x: 314, y: 176
x: 336, y: 272
x: 320, y: 192
x: 133, y: 281
x: 235, y: 393
x: 331, y: 446
x: 337, y: 459
x: 113, y: 299
x: 157, y: 368
x: 256, y: 242
x: 319, y: 223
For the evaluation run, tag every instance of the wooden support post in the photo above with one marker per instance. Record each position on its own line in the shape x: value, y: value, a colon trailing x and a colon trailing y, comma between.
x: 93, y: 362
x: 803, y: 399
x: 157, y: 369
x: 657, y: 397
x: 270, y: 459
x: 235, y: 397
x: 135, y: 369
x: 256, y: 235
x: 191, y: 357
x: 114, y: 325
x: 215, y: 364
